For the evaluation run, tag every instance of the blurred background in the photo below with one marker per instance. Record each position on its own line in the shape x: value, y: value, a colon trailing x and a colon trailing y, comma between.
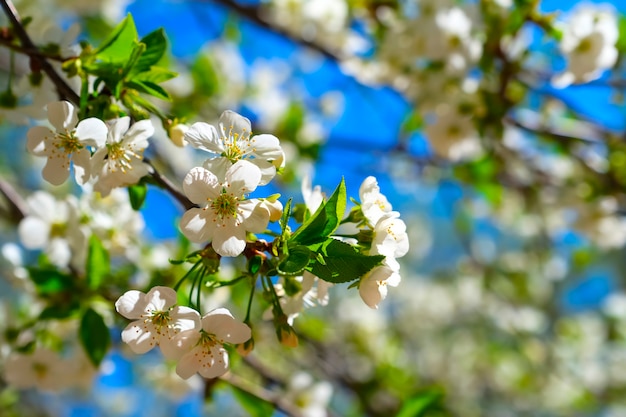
x: 510, y: 180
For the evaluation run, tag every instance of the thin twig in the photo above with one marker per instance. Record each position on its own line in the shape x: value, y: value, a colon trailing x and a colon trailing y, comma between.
x: 17, y: 207
x: 164, y: 183
x: 65, y: 91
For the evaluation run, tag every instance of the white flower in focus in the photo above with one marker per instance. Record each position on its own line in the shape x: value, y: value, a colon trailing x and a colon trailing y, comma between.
x: 70, y: 141
x: 120, y: 162
x: 52, y: 225
x: 233, y: 142
x: 203, y: 351
x: 42, y: 369
x: 225, y: 215
x: 390, y: 237
x: 373, y: 204
x: 588, y: 42
x: 157, y: 321
x: 373, y: 285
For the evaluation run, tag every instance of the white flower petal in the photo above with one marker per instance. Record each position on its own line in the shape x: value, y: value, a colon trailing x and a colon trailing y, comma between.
x: 139, y: 133
x: 62, y: 115
x: 200, y: 185
x: 160, y: 299
x: 33, y: 232
x: 117, y: 128
x: 230, y: 240
x: 198, y: 225
x: 185, y: 318
x: 190, y: 362
x: 36, y: 142
x: 82, y: 166
x: 138, y: 337
x: 256, y: 216
x: 243, y: 177
x: 217, y: 363
x: 204, y: 136
x: 218, y: 166
x: 92, y: 132
x: 233, y: 123
x: 222, y: 324
x: 57, y: 169
x: 132, y: 304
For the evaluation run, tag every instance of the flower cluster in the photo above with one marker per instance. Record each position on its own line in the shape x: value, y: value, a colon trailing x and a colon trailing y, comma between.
x: 239, y: 163
x: 196, y: 343
x: 107, y: 155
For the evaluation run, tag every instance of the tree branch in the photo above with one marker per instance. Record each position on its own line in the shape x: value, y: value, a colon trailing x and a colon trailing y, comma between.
x: 65, y: 91
x: 164, y: 183
x: 16, y: 206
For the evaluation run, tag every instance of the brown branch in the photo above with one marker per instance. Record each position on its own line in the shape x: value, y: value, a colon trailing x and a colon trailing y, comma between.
x: 65, y: 91
x: 167, y: 185
x: 16, y: 206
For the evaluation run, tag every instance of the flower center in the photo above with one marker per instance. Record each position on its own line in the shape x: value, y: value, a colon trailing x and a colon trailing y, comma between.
x: 235, y: 144
x: 120, y: 157
x: 225, y: 205
x: 208, y: 340
x: 160, y: 319
x: 58, y: 229
x: 68, y: 142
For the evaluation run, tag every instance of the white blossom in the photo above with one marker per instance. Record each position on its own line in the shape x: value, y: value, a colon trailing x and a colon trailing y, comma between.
x: 232, y: 142
x: 69, y: 141
x: 53, y: 225
x: 374, y: 204
x: 203, y: 351
x: 120, y: 162
x: 588, y: 42
x: 42, y: 369
x: 156, y: 319
x: 224, y: 214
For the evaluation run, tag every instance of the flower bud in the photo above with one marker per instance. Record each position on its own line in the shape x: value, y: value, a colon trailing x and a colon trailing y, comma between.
x: 177, y: 134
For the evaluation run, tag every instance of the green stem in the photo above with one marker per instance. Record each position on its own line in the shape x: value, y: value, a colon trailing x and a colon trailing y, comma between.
x: 180, y: 281
x: 252, y: 288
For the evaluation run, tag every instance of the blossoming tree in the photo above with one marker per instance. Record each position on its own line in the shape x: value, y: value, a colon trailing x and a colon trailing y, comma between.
x: 112, y: 118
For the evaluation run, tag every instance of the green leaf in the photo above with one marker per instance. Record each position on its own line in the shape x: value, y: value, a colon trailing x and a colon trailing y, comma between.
x: 149, y: 87
x: 97, y: 263
x: 417, y: 406
x: 50, y: 281
x: 137, y: 195
x: 120, y: 44
x: 325, y: 220
x: 295, y: 262
x: 341, y: 262
x: 156, y: 75
x: 60, y: 311
x: 156, y: 45
x: 94, y: 336
x: 255, y: 406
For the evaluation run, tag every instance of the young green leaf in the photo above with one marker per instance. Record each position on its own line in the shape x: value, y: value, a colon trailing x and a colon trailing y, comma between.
x: 97, y: 263
x: 254, y: 406
x: 119, y: 45
x: 156, y: 45
x: 324, y: 221
x: 137, y: 194
x: 50, y: 281
x: 295, y: 262
x: 340, y: 261
x: 94, y: 336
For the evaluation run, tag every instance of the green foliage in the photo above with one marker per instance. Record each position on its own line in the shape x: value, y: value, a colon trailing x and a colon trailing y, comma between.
x: 137, y: 194
x: 324, y: 221
x: 420, y: 404
x: 254, y: 406
x: 50, y: 280
x: 296, y: 261
x: 341, y: 262
x: 124, y: 67
x: 97, y: 267
x: 94, y: 336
